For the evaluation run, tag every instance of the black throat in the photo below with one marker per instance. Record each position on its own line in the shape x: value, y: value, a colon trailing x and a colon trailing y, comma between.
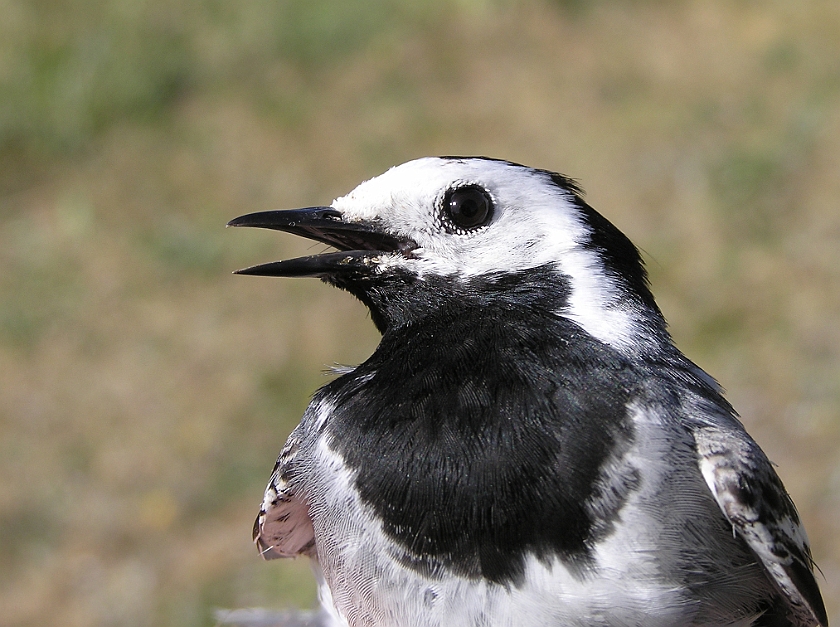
x: 399, y: 299
x: 480, y: 430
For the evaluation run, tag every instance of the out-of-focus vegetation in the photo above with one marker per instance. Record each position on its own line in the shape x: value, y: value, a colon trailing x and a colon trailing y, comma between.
x: 145, y: 391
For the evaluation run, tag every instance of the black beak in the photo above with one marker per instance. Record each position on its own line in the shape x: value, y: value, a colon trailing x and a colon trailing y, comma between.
x: 358, y: 243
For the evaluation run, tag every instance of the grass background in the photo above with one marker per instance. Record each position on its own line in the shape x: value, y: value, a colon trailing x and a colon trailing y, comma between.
x: 145, y: 392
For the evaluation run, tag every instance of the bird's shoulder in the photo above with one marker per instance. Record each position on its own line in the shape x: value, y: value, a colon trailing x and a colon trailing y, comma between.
x: 283, y: 527
x: 754, y: 501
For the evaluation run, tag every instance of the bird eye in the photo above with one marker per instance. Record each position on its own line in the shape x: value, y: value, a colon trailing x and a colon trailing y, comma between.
x: 468, y: 207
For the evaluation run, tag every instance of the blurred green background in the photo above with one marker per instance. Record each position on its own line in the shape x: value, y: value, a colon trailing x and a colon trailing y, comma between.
x: 146, y: 392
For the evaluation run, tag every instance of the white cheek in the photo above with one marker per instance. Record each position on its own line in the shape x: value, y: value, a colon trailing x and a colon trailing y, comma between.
x: 514, y: 242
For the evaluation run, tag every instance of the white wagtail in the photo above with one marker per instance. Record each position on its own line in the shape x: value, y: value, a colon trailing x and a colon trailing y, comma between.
x: 526, y: 447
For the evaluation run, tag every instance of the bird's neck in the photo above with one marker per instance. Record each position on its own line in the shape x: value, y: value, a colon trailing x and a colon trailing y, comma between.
x: 398, y: 302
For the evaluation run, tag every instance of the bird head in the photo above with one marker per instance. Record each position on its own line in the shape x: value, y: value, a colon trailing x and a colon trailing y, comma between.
x: 473, y: 229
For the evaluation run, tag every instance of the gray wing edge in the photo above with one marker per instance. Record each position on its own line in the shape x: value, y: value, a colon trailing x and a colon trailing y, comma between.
x: 756, y: 504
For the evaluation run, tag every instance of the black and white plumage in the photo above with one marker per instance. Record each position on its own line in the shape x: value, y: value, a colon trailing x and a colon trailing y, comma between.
x: 526, y: 446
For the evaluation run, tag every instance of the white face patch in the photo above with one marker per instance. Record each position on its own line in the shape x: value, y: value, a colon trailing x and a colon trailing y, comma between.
x: 534, y: 223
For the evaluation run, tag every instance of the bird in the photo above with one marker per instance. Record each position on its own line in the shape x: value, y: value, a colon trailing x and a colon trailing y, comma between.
x: 526, y: 446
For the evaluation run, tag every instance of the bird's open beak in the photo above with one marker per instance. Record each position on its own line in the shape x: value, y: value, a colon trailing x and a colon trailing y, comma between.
x: 358, y: 244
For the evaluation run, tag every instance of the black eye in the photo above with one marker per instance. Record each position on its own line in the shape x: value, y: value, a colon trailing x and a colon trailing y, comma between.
x: 468, y: 207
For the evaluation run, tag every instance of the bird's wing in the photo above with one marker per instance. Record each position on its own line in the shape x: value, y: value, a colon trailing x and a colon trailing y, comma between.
x: 753, y: 499
x: 283, y: 527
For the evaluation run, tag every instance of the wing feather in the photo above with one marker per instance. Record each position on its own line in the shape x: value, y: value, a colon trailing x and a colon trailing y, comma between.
x: 754, y: 500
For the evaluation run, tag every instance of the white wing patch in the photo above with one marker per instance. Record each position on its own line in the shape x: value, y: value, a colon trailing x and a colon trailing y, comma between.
x: 755, y: 502
x: 283, y: 527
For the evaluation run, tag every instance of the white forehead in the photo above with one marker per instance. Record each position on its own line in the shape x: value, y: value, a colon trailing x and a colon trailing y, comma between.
x: 534, y: 221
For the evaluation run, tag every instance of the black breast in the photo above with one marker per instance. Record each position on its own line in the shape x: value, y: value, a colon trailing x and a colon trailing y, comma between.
x: 480, y: 432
